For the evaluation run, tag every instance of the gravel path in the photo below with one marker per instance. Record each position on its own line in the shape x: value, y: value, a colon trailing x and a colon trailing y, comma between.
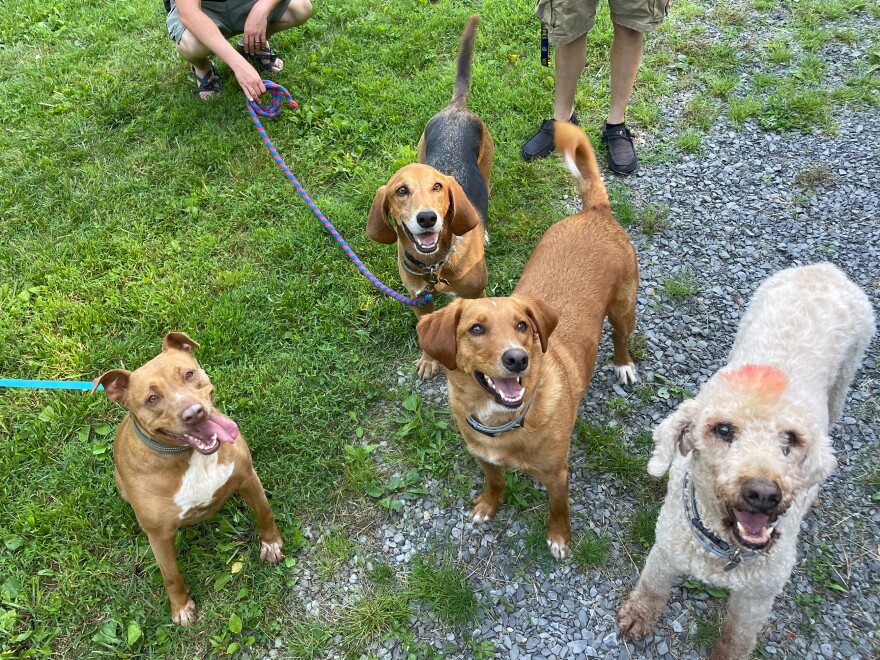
x: 738, y: 213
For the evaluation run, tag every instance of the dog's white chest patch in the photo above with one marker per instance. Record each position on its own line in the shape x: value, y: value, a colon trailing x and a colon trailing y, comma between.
x: 202, y: 479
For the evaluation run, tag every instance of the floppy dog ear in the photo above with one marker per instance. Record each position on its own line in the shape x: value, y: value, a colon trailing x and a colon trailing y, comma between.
x: 676, y: 431
x: 437, y: 334
x: 464, y: 216
x: 543, y: 317
x: 115, y: 384
x: 819, y: 461
x: 179, y: 341
x: 378, y: 228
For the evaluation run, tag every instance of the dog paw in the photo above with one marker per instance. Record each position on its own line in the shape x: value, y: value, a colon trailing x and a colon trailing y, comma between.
x: 271, y: 552
x: 634, y: 620
x: 479, y: 517
x: 484, y: 510
x: 558, y: 548
x: 185, y: 615
x: 427, y: 367
x: 626, y: 375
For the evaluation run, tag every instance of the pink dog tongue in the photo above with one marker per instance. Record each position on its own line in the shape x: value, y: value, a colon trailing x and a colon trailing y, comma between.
x: 509, y: 388
x: 225, y: 428
x: 427, y: 240
x: 754, y: 525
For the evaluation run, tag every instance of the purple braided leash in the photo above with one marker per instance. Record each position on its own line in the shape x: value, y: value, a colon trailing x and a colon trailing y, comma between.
x: 277, y: 92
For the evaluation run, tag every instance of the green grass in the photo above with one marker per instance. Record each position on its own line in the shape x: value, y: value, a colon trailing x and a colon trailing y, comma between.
x: 681, y: 285
x: 129, y: 208
x: 445, y: 589
x: 699, y: 113
x: 622, y: 205
x: 638, y: 340
x: 707, y: 632
x: 606, y: 454
x: 825, y: 572
x: 740, y: 109
x: 778, y: 51
x: 641, y: 529
x: 590, y: 550
x: 373, y: 613
x: 335, y: 549
x: 689, y: 141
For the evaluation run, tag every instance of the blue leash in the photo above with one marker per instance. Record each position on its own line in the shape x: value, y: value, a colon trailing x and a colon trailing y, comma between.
x: 48, y: 384
x: 277, y: 92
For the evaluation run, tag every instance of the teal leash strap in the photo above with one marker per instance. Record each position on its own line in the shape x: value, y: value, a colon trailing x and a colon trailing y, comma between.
x: 48, y: 384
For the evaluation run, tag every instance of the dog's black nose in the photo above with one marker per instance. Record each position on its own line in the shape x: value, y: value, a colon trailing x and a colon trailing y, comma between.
x: 515, y: 360
x: 195, y: 413
x: 761, y: 495
x: 426, y: 219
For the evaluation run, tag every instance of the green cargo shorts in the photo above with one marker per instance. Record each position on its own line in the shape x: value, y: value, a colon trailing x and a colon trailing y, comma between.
x: 228, y: 16
x: 566, y: 20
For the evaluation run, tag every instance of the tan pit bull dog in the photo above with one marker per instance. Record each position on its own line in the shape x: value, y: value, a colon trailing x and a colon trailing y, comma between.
x: 178, y: 459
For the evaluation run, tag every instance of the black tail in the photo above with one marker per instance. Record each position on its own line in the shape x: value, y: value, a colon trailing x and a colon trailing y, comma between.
x: 463, y: 63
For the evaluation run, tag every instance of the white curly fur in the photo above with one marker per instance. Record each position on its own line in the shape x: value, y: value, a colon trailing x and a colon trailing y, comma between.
x: 813, y: 325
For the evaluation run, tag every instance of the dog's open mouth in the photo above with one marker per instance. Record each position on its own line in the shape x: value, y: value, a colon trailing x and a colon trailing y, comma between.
x: 752, y: 530
x: 426, y: 243
x: 508, y: 392
x: 206, y: 437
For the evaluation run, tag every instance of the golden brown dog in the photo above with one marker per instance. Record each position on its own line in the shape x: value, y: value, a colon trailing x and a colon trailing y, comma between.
x: 518, y: 367
x: 432, y: 208
x: 178, y: 459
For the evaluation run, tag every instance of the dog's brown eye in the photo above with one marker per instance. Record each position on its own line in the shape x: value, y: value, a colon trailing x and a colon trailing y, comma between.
x: 153, y: 398
x: 790, y: 439
x: 402, y: 190
x: 438, y: 186
x: 522, y: 326
x: 189, y: 375
x: 477, y: 329
x: 724, y: 431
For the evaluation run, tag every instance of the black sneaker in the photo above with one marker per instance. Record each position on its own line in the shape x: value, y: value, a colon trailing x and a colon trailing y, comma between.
x: 621, y: 152
x: 541, y: 143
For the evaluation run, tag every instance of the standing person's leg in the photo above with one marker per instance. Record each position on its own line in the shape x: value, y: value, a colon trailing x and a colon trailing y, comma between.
x: 568, y: 22
x: 570, y: 61
x: 626, y: 54
x: 631, y: 19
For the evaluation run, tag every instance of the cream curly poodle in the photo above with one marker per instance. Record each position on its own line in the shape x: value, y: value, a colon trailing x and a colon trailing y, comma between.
x: 747, y: 455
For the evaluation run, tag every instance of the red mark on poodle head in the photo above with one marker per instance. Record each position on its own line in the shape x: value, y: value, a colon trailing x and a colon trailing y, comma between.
x: 766, y: 382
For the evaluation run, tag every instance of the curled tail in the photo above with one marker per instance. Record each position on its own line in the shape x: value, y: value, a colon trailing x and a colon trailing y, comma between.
x: 463, y: 64
x: 577, y: 154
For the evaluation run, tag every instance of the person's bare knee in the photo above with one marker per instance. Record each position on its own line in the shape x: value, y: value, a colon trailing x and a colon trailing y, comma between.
x: 191, y: 49
x: 297, y: 13
x: 627, y: 36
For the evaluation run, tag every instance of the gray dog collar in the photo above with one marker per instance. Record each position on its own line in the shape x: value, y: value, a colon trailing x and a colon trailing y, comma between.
x: 152, y: 444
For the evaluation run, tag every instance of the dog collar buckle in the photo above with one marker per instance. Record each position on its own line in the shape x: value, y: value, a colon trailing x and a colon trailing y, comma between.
x: 734, y: 560
x: 434, y: 279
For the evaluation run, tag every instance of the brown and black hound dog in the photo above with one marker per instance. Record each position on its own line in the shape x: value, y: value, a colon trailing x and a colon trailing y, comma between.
x: 433, y: 208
